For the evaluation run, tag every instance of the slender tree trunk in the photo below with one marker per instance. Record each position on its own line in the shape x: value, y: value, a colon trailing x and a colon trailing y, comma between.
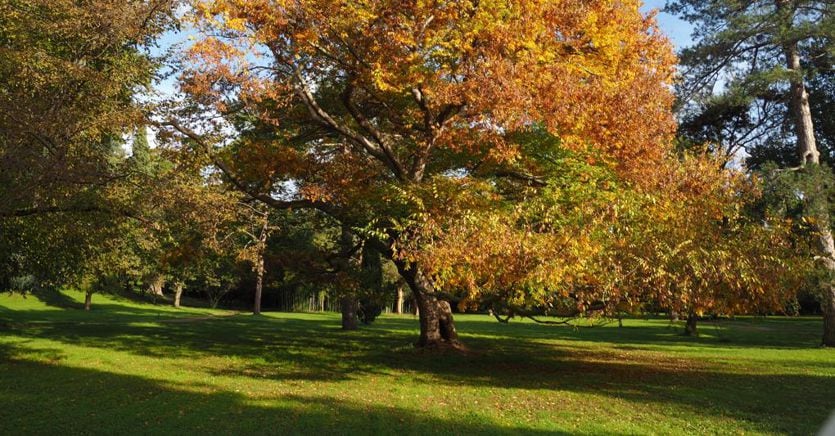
x: 690, y: 326
x: 259, y: 285
x: 398, y: 307
x: 809, y: 155
x: 259, y: 267
x: 437, y: 327
x: 178, y: 292
x: 349, y: 313
x: 88, y: 300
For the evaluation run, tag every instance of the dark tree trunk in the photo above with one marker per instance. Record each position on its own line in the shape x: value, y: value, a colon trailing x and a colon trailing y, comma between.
x: 437, y: 327
x: 349, y: 313
x: 690, y: 326
x: 259, y: 285
x: 828, y: 307
x: 88, y: 300
x: 178, y: 292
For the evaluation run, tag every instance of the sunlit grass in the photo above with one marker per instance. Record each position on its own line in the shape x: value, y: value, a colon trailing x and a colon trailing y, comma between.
x: 130, y: 367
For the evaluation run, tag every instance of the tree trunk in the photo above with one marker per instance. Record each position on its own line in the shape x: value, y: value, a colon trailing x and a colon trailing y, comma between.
x: 349, y: 313
x: 690, y: 326
x: 829, y: 318
x: 259, y: 285
x: 437, y: 327
x: 809, y: 155
x: 155, y: 284
x: 398, y: 306
x: 88, y: 300
x: 799, y: 104
x: 178, y: 292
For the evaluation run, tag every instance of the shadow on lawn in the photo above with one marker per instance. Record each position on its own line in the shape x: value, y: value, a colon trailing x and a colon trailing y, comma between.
x: 56, y: 299
x: 106, y: 403
x: 313, y: 348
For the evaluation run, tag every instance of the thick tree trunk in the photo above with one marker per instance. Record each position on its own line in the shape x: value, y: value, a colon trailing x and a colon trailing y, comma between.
x: 349, y: 313
x: 259, y: 285
x: 437, y: 327
x: 829, y: 318
x: 178, y: 292
x: 690, y: 326
x: 398, y: 306
x: 155, y: 284
x: 88, y: 300
x: 809, y: 155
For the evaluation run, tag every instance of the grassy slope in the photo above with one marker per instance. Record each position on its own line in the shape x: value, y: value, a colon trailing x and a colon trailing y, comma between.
x: 136, y: 368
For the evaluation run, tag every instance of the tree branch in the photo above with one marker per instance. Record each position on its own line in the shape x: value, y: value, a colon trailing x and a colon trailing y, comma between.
x: 236, y: 181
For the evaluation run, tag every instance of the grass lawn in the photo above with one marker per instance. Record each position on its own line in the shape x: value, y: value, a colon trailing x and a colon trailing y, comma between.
x: 128, y: 367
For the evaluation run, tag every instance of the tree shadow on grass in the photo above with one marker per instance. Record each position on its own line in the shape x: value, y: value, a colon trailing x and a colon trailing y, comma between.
x: 772, y: 333
x: 54, y: 298
x: 63, y: 400
x: 312, y: 348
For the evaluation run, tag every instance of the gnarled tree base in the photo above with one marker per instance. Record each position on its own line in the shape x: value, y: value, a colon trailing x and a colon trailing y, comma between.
x: 437, y: 327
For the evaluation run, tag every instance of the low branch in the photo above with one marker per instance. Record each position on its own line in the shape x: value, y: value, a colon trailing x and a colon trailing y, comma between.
x: 527, y: 178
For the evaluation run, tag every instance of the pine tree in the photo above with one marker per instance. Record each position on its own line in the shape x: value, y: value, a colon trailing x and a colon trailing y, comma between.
x: 763, y: 55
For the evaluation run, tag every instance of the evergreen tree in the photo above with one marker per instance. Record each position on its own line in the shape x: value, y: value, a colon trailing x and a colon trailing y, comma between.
x: 772, y: 64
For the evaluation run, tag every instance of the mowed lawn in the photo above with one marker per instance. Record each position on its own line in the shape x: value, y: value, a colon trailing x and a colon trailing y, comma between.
x: 128, y: 367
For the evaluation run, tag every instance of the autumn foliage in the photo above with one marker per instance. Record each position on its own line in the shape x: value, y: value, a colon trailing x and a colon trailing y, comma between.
x: 504, y: 152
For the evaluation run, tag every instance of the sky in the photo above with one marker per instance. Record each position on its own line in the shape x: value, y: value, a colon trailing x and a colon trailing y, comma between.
x: 677, y: 30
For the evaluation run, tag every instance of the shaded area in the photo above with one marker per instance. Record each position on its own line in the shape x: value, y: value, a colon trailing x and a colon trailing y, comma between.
x: 150, y: 407
x: 623, y: 364
x: 53, y: 298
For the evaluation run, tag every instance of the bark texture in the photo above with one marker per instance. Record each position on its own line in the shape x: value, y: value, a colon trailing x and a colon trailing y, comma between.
x: 690, y: 326
x: 178, y: 292
x: 155, y: 284
x: 259, y: 285
x: 88, y: 300
x: 349, y: 313
x: 259, y: 265
x: 437, y: 327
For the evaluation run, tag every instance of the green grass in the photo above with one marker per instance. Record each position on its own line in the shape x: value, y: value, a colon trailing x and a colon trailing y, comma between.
x: 128, y: 367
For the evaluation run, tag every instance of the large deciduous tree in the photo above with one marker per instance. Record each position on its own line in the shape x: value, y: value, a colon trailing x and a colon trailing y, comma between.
x: 362, y: 109
x: 71, y: 71
x: 764, y: 54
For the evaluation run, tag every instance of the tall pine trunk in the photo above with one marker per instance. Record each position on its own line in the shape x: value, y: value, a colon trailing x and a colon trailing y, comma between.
x: 88, y: 300
x: 809, y: 155
x: 437, y: 327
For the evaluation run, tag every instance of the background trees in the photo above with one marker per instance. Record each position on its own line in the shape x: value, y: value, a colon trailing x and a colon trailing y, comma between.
x: 355, y: 107
x: 763, y: 56
x: 515, y: 156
